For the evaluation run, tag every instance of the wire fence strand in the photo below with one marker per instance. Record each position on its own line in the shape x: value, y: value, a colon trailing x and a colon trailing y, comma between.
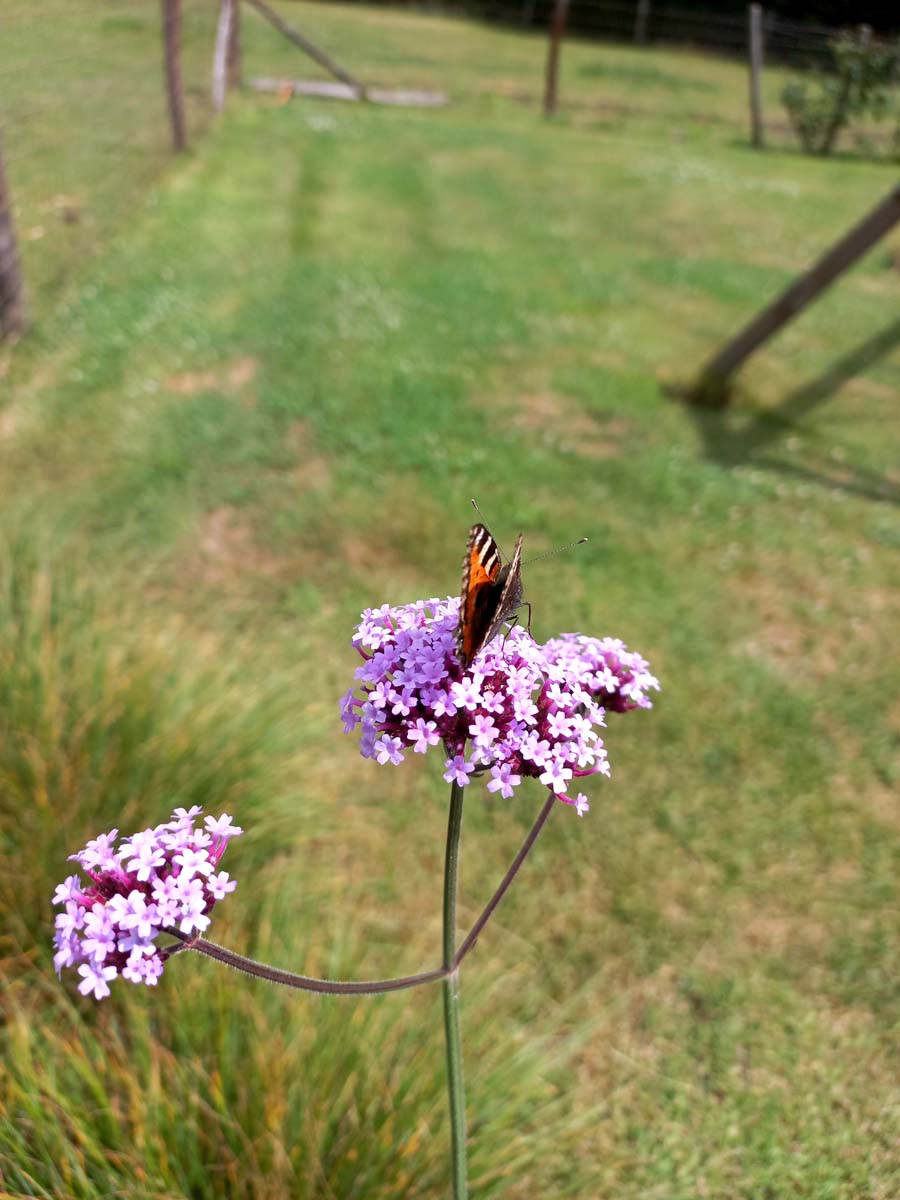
x: 86, y: 133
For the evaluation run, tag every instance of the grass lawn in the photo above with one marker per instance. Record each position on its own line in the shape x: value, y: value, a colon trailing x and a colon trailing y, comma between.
x: 262, y: 404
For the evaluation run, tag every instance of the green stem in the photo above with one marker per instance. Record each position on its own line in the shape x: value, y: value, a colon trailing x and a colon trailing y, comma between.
x: 451, y: 1000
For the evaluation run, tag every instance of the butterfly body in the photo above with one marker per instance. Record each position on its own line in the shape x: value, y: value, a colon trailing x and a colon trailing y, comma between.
x: 491, y: 592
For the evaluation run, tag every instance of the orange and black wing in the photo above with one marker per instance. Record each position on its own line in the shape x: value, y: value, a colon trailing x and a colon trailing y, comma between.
x: 490, y: 592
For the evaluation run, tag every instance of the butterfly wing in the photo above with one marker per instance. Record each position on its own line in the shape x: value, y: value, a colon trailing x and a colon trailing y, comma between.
x: 489, y: 592
x: 510, y: 596
x: 481, y: 567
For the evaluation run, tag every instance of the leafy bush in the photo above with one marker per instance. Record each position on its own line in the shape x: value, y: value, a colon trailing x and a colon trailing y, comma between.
x: 856, y: 84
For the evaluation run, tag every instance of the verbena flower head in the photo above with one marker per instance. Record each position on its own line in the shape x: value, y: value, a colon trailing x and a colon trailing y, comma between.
x: 520, y: 710
x: 155, y: 881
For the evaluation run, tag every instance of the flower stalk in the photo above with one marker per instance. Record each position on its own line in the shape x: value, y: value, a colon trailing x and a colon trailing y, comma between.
x: 303, y: 983
x: 452, y: 1035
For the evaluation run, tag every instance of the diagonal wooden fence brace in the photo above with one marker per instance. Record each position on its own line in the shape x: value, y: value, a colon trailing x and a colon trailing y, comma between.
x: 224, y: 35
x: 233, y: 55
x: 712, y: 388
x: 308, y: 47
x: 12, y: 303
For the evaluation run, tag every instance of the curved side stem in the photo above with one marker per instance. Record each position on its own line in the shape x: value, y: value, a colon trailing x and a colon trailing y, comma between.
x: 447, y: 972
x: 452, y: 961
x: 452, y: 1034
x: 304, y: 983
x: 474, y: 933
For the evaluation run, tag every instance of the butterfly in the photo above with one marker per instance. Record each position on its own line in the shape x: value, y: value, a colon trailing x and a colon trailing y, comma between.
x: 491, y: 592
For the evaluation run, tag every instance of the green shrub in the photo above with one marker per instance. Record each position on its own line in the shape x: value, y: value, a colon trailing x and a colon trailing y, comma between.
x: 856, y: 85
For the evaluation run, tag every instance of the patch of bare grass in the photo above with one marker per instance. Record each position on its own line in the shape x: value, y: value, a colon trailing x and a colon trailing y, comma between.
x: 229, y: 378
x: 559, y: 421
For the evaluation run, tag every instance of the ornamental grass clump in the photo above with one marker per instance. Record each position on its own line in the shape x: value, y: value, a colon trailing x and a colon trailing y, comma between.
x: 518, y: 710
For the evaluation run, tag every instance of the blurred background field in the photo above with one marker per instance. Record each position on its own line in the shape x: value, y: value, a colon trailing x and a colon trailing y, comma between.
x: 261, y: 384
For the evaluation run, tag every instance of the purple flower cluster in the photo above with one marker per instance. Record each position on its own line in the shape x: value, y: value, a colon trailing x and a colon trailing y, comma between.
x: 519, y: 710
x: 155, y: 881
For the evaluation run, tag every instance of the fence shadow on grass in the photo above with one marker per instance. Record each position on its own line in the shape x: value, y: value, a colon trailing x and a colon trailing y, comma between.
x: 755, y: 442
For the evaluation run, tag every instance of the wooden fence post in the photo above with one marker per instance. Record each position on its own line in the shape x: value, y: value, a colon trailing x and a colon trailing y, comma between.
x: 642, y: 22
x: 171, y: 17
x: 712, y: 388
x: 557, y: 28
x: 755, y: 17
x: 12, y: 304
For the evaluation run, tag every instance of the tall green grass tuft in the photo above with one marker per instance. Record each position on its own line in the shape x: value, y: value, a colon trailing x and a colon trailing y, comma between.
x: 100, y: 726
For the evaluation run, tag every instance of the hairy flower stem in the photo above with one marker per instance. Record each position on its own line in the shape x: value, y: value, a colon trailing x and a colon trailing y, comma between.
x: 304, y: 983
x: 451, y: 1000
x: 308, y: 983
x: 473, y: 934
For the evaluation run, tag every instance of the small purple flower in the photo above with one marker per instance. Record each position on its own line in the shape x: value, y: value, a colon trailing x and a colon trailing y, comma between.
x: 156, y: 881
x: 99, y: 940
x: 222, y: 828
x: 183, y: 818
x: 522, y: 711
x: 458, y: 770
x: 465, y: 694
x: 483, y: 731
x: 68, y: 890
x: 193, y: 862
x: 556, y: 776
x: 192, y: 894
x: 96, y: 979
x: 139, y: 916
x: 139, y: 966
x: 423, y: 734
x: 503, y: 780
x: 559, y: 726
x: 147, y: 855
x: 68, y: 953
x: 349, y: 715
x: 389, y: 749
x: 98, y: 852
x: 71, y: 920
x: 401, y: 702
x: 220, y: 885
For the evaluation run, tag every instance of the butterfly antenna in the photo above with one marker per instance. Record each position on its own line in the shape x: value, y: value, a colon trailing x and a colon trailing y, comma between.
x: 558, y: 550
x: 478, y: 510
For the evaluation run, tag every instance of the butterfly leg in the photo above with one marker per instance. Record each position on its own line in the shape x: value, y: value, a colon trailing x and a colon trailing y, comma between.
x: 513, y: 620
